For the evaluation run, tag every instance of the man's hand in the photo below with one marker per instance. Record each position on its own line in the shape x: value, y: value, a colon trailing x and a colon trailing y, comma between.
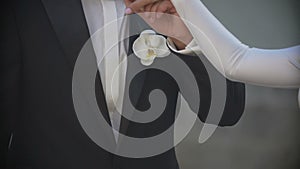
x: 162, y: 16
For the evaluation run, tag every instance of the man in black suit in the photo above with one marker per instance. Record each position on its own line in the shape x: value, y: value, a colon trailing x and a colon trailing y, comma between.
x: 41, y: 40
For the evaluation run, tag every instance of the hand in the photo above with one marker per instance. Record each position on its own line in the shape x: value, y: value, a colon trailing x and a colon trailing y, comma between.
x: 136, y: 6
x: 162, y: 16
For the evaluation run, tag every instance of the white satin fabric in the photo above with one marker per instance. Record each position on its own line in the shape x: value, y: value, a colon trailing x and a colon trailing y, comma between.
x: 235, y: 60
x: 232, y: 58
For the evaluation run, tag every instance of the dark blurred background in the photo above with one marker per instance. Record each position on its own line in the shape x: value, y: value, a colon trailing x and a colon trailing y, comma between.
x: 268, y: 135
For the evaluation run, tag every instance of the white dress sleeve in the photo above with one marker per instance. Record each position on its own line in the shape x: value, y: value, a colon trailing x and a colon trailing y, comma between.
x: 235, y: 60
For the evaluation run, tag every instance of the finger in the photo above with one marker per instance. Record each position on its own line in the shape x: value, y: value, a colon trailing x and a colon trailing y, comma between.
x: 153, y: 12
x: 148, y: 10
x: 138, y: 4
x: 146, y: 15
x: 128, y: 11
x: 173, y: 11
x: 164, y: 7
x: 127, y: 2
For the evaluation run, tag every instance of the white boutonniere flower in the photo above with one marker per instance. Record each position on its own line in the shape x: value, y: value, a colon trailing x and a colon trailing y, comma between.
x: 149, y: 46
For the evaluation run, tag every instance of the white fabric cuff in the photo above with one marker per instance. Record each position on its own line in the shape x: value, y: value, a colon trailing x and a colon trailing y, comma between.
x: 295, y: 60
x: 191, y: 49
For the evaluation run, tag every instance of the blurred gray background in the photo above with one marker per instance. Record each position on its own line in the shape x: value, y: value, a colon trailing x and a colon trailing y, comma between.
x: 268, y: 135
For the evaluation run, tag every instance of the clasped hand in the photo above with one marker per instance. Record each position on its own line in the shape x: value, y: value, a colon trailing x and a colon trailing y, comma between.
x: 162, y: 16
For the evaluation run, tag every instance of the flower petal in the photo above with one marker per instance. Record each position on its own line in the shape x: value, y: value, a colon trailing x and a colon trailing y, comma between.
x: 162, y: 52
x: 140, y: 48
x: 142, y: 54
x: 148, y: 32
x: 149, y: 46
x: 155, y: 40
x: 147, y: 62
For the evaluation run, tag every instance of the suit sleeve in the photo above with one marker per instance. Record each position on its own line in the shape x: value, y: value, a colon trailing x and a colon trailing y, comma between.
x: 235, y: 94
x: 10, y: 78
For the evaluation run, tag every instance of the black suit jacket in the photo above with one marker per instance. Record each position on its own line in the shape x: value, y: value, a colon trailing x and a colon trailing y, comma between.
x: 40, y: 42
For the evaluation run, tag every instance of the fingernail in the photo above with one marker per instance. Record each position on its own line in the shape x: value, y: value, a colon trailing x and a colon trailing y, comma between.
x: 128, y: 11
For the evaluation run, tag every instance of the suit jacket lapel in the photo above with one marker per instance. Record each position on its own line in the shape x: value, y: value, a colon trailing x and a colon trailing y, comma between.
x: 136, y: 26
x: 68, y: 21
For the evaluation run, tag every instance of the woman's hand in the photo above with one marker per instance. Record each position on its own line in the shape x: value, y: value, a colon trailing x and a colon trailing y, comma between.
x: 136, y: 6
x: 161, y: 15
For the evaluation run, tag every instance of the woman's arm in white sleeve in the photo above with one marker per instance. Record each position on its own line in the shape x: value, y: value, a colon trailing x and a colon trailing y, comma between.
x: 234, y: 59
